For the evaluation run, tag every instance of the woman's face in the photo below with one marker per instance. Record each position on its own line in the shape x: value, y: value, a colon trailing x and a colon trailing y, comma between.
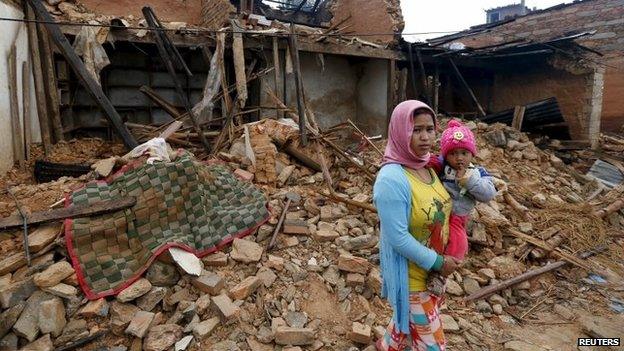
x: 423, y: 134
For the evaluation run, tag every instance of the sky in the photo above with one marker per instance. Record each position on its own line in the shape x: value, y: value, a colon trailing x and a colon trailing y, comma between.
x: 453, y: 15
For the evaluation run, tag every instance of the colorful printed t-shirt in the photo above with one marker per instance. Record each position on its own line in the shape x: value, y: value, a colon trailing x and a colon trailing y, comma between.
x: 429, y: 221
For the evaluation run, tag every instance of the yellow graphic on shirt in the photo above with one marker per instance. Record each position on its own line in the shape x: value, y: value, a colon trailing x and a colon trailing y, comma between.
x: 428, y: 222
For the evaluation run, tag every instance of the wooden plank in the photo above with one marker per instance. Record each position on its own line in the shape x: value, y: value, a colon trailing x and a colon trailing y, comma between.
x: 161, y: 102
x: 467, y: 87
x: 238, y: 52
x: 294, y: 53
x: 35, y: 58
x: 277, y: 70
x: 73, y: 211
x: 16, y: 138
x: 518, y: 117
x: 51, y: 87
x: 94, y: 89
x: 26, y: 109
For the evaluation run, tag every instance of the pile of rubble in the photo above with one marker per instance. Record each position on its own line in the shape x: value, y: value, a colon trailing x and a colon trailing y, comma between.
x: 318, y: 286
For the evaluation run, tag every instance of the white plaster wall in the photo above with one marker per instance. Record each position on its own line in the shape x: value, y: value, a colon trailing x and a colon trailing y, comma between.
x: 13, y: 32
x: 372, y: 97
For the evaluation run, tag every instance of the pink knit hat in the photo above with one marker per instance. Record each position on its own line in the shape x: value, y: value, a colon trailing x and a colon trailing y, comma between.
x: 457, y: 136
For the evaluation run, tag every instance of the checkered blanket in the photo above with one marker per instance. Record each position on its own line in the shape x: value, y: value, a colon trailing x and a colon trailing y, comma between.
x: 184, y: 203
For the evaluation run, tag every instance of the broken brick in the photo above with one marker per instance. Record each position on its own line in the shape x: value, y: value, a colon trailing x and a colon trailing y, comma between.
x: 227, y: 310
x: 245, y: 288
x: 353, y: 264
x: 208, y: 282
x: 294, y: 336
x: 360, y: 333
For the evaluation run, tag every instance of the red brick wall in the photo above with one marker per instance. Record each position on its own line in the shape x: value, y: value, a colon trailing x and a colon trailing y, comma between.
x: 370, y: 16
x: 188, y: 11
x: 613, y: 97
x: 522, y: 88
x: 606, y: 17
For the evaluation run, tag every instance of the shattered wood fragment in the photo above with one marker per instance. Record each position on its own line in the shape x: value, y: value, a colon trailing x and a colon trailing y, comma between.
x: 51, y: 85
x: 203, y: 109
x: 369, y: 176
x: 298, y: 155
x: 161, y: 102
x: 348, y: 201
x: 69, y: 212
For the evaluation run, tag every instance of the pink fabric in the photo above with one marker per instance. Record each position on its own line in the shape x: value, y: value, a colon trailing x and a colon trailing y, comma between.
x: 457, y: 136
x: 458, y: 239
x: 398, y: 149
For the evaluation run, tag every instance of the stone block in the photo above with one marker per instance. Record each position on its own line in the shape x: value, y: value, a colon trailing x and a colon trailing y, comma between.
x: 294, y: 336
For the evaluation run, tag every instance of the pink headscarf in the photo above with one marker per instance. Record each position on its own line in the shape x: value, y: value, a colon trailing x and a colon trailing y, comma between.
x: 398, y: 149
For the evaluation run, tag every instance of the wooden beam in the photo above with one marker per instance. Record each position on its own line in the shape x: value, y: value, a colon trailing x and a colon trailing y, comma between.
x: 412, y: 70
x: 238, y: 53
x: 16, y: 138
x: 423, y: 77
x: 42, y: 110
x: 277, y: 70
x: 391, y: 99
x: 294, y: 53
x: 167, y: 58
x: 73, y: 211
x: 26, y: 108
x: 94, y: 89
x: 467, y: 87
x: 161, y: 102
x: 51, y: 87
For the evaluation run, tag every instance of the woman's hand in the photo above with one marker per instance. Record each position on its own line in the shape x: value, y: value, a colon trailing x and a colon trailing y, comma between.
x: 450, y: 265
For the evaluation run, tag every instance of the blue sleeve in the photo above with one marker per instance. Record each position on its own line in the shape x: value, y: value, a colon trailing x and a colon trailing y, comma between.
x: 480, y: 186
x: 392, y: 207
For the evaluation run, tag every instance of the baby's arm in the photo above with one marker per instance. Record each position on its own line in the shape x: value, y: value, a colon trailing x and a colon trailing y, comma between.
x: 479, y: 184
x: 435, y: 163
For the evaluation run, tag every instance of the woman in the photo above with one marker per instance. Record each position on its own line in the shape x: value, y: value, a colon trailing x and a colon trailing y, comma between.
x: 414, y: 210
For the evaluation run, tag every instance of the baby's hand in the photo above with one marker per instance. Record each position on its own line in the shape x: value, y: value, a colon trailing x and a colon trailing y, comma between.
x: 463, y: 179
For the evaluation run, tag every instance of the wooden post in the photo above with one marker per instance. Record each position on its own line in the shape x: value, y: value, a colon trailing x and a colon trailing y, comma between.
x: 238, y: 53
x: 391, y: 100
x: 412, y: 70
x: 423, y: 77
x: 18, y: 144
x: 42, y: 111
x: 94, y: 89
x: 277, y: 70
x: 403, y: 85
x: 51, y: 87
x: 436, y: 88
x: 294, y: 53
x: 518, y: 117
x: 467, y: 87
x: 26, y: 108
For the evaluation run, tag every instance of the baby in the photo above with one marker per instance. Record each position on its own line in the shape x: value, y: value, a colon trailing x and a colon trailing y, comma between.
x: 465, y: 183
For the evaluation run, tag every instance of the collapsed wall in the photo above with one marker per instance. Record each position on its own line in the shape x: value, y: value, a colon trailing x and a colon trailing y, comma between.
x: 370, y: 17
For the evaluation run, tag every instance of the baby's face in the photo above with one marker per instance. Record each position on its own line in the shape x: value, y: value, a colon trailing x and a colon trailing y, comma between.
x: 459, y: 158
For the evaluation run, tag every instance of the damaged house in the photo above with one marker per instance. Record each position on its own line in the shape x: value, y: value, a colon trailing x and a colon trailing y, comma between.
x: 343, y: 77
x: 570, y: 52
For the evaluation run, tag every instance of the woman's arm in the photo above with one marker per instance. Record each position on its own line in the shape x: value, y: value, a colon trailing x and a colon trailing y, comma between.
x: 391, y: 207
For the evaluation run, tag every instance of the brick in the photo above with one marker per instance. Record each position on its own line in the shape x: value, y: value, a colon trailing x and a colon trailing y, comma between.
x: 52, y: 317
x: 353, y: 264
x: 203, y: 329
x: 217, y: 259
x: 53, y: 274
x: 150, y: 300
x: 140, y: 323
x: 244, y: 175
x: 355, y: 279
x: 246, y: 251
x: 17, y: 292
x: 42, y: 237
x: 275, y: 262
x: 299, y: 227
x: 245, y: 288
x: 208, y: 282
x: 294, y: 336
x: 228, y: 312
x: 62, y: 290
x: 96, y: 308
x: 12, y: 263
x: 360, y: 333
x: 138, y: 288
